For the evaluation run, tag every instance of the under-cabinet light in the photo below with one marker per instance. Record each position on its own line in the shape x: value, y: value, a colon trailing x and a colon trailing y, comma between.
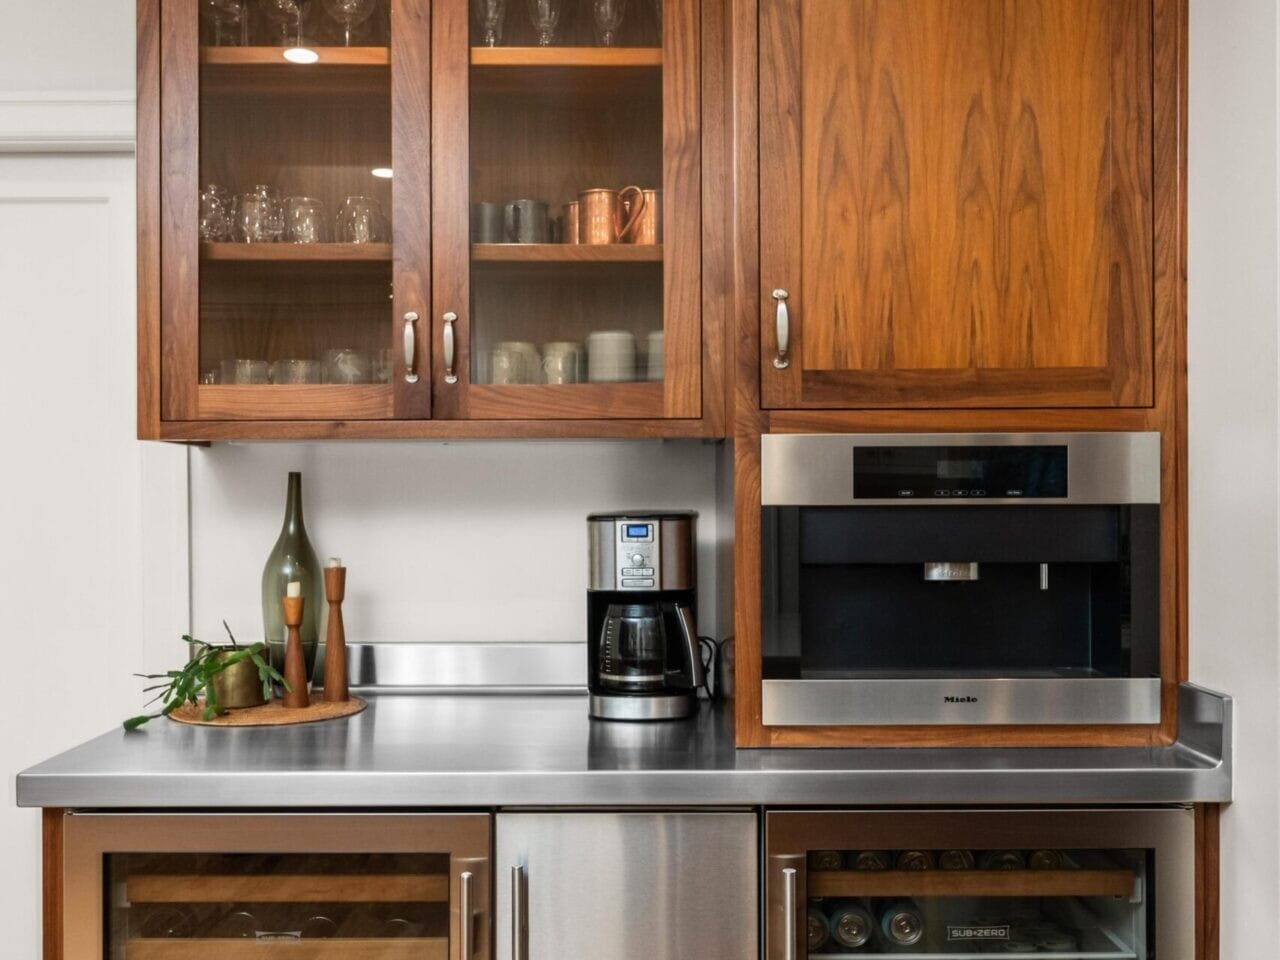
x: 301, y: 55
x: 383, y: 173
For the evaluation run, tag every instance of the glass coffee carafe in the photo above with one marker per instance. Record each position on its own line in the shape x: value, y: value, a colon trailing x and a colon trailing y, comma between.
x: 633, y: 648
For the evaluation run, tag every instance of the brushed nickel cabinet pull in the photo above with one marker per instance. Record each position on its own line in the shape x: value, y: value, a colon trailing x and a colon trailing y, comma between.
x: 783, y: 359
x: 464, y: 915
x: 410, y: 348
x: 789, y: 913
x: 450, y: 319
x: 519, y: 933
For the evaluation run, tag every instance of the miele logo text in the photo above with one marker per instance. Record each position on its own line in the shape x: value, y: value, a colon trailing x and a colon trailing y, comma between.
x: 959, y: 699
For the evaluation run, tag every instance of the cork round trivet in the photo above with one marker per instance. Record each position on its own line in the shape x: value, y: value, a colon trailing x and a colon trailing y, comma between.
x: 269, y: 714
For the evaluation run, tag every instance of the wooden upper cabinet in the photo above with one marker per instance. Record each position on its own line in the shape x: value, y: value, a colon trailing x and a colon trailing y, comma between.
x: 956, y: 199
x: 540, y: 312
x: 291, y: 305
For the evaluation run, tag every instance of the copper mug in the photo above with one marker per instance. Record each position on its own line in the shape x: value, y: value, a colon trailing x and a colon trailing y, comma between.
x: 571, y: 223
x: 609, y: 216
x: 648, y: 228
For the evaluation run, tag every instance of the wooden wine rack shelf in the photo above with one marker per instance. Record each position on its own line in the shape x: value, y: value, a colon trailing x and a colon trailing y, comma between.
x: 400, y: 948
x: 971, y: 883
x: 288, y: 888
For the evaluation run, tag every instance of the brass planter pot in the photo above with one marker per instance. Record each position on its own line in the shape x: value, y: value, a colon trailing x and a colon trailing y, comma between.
x: 239, y: 685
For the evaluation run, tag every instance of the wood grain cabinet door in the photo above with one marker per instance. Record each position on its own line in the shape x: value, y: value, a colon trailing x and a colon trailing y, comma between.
x: 956, y: 201
x: 294, y: 272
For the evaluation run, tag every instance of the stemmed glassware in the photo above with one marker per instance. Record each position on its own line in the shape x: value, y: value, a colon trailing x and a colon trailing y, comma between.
x: 545, y: 15
x: 608, y: 16
x: 349, y: 13
x: 489, y: 15
x: 225, y: 14
x: 288, y: 15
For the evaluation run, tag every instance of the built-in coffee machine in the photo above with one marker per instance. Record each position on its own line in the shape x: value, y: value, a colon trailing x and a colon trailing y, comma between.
x: 961, y: 579
x: 643, y: 654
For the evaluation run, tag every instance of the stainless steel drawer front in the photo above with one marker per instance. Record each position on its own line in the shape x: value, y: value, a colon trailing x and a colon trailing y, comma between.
x: 627, y: 886
x: 816, y: 470
x: 961, y: 701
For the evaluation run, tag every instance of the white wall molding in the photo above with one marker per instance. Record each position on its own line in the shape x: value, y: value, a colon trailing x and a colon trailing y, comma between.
x: 67, y: 122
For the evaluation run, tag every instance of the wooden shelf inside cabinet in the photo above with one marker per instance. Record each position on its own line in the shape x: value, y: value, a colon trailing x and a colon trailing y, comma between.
x: 606, y: 57
x: 288, y: 888
x: 971, y: 883
x: 184, y: 948
x: 297, y: 252
x: 263, y: 70
x: 566, y: 253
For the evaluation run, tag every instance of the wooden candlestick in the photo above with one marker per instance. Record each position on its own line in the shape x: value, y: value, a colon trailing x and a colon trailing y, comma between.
x: 295, y: 665
x: 335, y: 638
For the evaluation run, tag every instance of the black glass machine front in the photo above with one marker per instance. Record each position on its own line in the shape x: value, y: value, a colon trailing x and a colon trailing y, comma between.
x: 961, y: 580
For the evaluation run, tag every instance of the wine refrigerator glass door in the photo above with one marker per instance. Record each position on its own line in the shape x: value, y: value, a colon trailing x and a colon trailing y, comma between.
x: 261, y: 887
x: 1070, y: 885
x: 294, y: 224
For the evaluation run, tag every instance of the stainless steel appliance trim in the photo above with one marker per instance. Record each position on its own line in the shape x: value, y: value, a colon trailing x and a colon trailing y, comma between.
x: 643, y: 885
x: 464, y: 667
x: 961, y: 701
x: 645, y: 706
x: 816, y: 470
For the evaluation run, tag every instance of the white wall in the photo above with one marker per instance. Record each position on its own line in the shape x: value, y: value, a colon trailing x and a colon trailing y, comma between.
x: 92, y: 571
x: 1235, y: 624
x: 443, y: 542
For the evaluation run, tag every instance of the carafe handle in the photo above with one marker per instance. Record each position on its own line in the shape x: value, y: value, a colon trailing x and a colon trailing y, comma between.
x: 697, y: 675
x: 633, y: 218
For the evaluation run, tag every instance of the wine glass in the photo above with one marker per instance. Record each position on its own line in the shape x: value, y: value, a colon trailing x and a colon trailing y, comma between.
x: 349, y: 13
x: 545, y: 15
x: 288, y: 15
x: 489, y: 15
x: 608, y: 17
x: 227, y: 13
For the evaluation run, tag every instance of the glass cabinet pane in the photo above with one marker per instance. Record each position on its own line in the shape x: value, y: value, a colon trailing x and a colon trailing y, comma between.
x: 176, y: 906
x: 295, y: 193
x: 953, y: 903
x: 566, y: 192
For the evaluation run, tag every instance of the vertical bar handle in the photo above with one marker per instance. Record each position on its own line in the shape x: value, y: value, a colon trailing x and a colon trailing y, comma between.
x: 450, y: 346
x: 519, y: 925
x: 465, y: 919
x: 783, y: 358
x: 789, y: 913
x: 410, y: 347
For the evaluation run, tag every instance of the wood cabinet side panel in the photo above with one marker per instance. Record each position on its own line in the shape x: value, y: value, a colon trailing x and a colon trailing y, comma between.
x: 54, y: 911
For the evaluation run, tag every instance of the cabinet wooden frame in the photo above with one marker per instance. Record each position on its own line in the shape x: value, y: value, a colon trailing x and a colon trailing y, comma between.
x: 1166, y: 414
x: 172, y: 405
x: 76, y: 845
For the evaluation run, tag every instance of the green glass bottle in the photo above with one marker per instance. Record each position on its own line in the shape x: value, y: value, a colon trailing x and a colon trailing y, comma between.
x: 292, y: 558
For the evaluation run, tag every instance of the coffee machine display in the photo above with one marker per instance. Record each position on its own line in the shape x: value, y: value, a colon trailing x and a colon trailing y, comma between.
x: 643, y: 656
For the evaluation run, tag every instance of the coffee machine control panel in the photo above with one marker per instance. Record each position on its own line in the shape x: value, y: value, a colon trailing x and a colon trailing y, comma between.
x: 637, y: 555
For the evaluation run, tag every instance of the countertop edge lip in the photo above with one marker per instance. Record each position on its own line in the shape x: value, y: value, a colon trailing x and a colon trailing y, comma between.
x: 190, y: 791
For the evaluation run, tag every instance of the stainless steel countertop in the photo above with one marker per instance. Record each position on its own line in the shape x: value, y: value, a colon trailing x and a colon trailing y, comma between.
x: 510, y: 751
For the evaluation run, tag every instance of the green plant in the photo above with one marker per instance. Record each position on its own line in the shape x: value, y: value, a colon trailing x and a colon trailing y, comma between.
x: 186, y: 685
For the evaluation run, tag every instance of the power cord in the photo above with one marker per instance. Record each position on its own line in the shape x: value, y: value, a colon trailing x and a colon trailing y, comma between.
x: 709, y: 652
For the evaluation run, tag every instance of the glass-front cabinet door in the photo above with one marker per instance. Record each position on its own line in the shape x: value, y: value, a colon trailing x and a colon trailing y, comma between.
x: 300, y: 887
x: 295, y: 209
x: 1032, y: 885
x: 566, y: 212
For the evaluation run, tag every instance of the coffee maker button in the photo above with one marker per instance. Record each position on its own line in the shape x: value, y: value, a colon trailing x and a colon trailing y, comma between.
x: 648, y: 582
x: 638, y: 559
